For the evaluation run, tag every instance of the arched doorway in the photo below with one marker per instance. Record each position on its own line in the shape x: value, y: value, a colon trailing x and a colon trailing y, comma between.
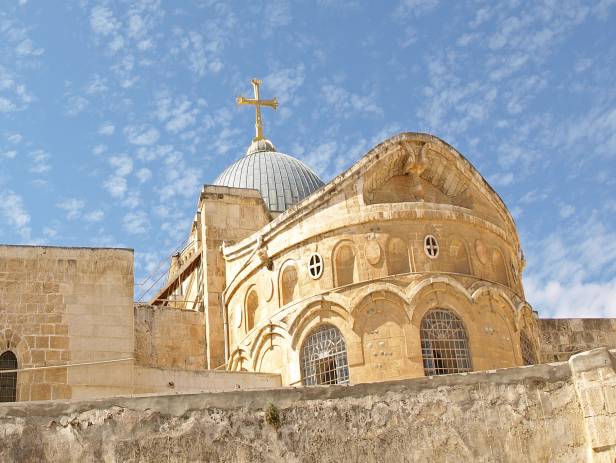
x: 8, y: 381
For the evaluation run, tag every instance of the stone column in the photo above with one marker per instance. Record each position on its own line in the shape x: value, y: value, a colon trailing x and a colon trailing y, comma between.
x: 594, y: 377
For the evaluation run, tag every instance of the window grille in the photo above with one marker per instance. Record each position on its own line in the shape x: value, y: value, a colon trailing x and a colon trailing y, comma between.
x: 431, y: 246
x: 529, y: 357
x: 444, y: 344
x: 324, y: 358
x: 8, y: 381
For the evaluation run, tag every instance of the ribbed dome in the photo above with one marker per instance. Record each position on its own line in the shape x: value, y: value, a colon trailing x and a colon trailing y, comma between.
x: 282, y: 180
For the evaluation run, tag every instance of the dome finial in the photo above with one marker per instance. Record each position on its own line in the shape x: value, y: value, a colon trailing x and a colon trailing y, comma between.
x: 257, y: 103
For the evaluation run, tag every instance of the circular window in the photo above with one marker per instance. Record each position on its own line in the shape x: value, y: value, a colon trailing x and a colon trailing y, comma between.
x: 315, y: 265
x: 431, y: 246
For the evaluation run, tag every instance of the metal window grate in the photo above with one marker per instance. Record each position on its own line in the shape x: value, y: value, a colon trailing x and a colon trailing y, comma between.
x: 444, y: 344
x: 529, y: 357
x: 324, y: 358
x: 8, y: 381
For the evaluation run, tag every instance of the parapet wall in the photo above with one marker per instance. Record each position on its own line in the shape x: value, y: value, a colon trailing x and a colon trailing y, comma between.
x: 169, y: 337
x: 563, y: 337
x: 563, y: 412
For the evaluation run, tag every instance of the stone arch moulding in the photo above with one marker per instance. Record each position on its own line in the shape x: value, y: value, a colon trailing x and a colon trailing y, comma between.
x: 251, y: 307
x: 287, y: 294
x: 341, y: 274
x: 265, y: 340
x: 9, y: 340
x: 376, y: 291
x: 397, y: 255
x: 413, y: 292
x: 454, y: 241
x: 239, y: 357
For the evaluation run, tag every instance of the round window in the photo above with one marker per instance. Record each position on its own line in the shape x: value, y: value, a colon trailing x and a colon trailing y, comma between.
x: 431, y: 246
x: 315, y: 265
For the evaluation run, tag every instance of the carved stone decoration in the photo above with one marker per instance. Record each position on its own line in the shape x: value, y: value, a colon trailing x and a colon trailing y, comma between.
x: 482, y: 252
x: 268, y: 288
x: 238, y: 316
x: 372, y: 251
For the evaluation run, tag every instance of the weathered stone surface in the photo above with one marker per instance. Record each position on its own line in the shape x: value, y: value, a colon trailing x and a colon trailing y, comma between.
x: 563, y: 337
x: 520, y: 414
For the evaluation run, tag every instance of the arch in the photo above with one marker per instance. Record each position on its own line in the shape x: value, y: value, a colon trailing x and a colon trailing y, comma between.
x: 397, y: 256
x: 444, y: 343
x: 239, y: 360
x: 8, y: 381
x: 251, y: 305
x: 499, y: 267
x: 344, y: 264
x: 529, y: 353
x: 457, y: 260
x: 377, y: 290
x: 323, y: 357
x: 413, y: 292
x: 287, y: 283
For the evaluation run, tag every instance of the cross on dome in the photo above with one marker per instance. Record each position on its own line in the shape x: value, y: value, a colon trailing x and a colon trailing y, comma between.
x: 257, y: 103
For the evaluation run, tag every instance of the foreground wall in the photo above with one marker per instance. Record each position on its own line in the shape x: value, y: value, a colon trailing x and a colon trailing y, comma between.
x: 558, y: 412
x: 563, y: 337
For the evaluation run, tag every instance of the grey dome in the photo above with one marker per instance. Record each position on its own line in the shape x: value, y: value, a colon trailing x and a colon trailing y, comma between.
x: 282, y: 180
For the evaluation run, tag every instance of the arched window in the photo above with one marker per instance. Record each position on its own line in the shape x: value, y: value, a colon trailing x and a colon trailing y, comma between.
x: 8, y: 381
x: 324, y: 357
x: 444, y: 344
x: 397, y: 257
x: 252, y: 304
x: 344, y: 265
x: 529, y: 357
x: 288, y: 284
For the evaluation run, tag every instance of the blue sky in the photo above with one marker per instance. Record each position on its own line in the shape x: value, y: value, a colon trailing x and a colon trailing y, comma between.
x: 114, y: 113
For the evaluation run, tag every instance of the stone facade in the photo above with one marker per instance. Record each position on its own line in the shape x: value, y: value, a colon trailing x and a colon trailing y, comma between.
x: 61, y: 306
x: 561, y: 338
x: 169, y: 338
x: 68, y: 316
x: 562, y: 412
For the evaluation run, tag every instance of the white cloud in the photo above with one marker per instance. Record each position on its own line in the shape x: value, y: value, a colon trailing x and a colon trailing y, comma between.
x: 571, y: 271
x: 136, y: 223
x: 26, y: 47
x: 349, y: 104
x: 75, y: 105
x: 566, y: 210
x: 178, y: 114
x: 9, y: 154
x: 116, y: 186
x: 502, y: 179
x: 141, y: 134
x: 72, y: 207
x: 94, y: 216
x: 106, y: 129
x: 414, y: 7
x: 103, y: 21
x: 40, y: 162
x: 285, y: 83
x: 13, y: 211
x: 15, y: 138
x: 144, y: 174
x: 123, y: 165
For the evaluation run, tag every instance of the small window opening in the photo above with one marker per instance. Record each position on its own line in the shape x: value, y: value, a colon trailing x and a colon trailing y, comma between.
x: 431, y: 246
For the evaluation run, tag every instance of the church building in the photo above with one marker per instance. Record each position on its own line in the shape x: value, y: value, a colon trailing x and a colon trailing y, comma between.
x: 408, y: 264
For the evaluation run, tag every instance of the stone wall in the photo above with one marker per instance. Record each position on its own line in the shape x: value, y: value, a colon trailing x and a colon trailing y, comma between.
x: 562, y: 337
x: 556, y: 412
x: 169, y: 337
x: 61, y: 306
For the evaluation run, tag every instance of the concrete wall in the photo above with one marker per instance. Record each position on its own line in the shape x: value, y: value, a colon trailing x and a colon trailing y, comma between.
x: 169, y: 337
x: 65, y: 305
x: 556, y: 412
x: 562, y: 337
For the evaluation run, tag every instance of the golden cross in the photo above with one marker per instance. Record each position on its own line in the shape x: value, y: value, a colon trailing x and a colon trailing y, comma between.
x: 258, y: 103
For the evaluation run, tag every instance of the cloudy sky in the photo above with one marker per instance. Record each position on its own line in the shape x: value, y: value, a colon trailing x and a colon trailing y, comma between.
x: 114, y: 113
